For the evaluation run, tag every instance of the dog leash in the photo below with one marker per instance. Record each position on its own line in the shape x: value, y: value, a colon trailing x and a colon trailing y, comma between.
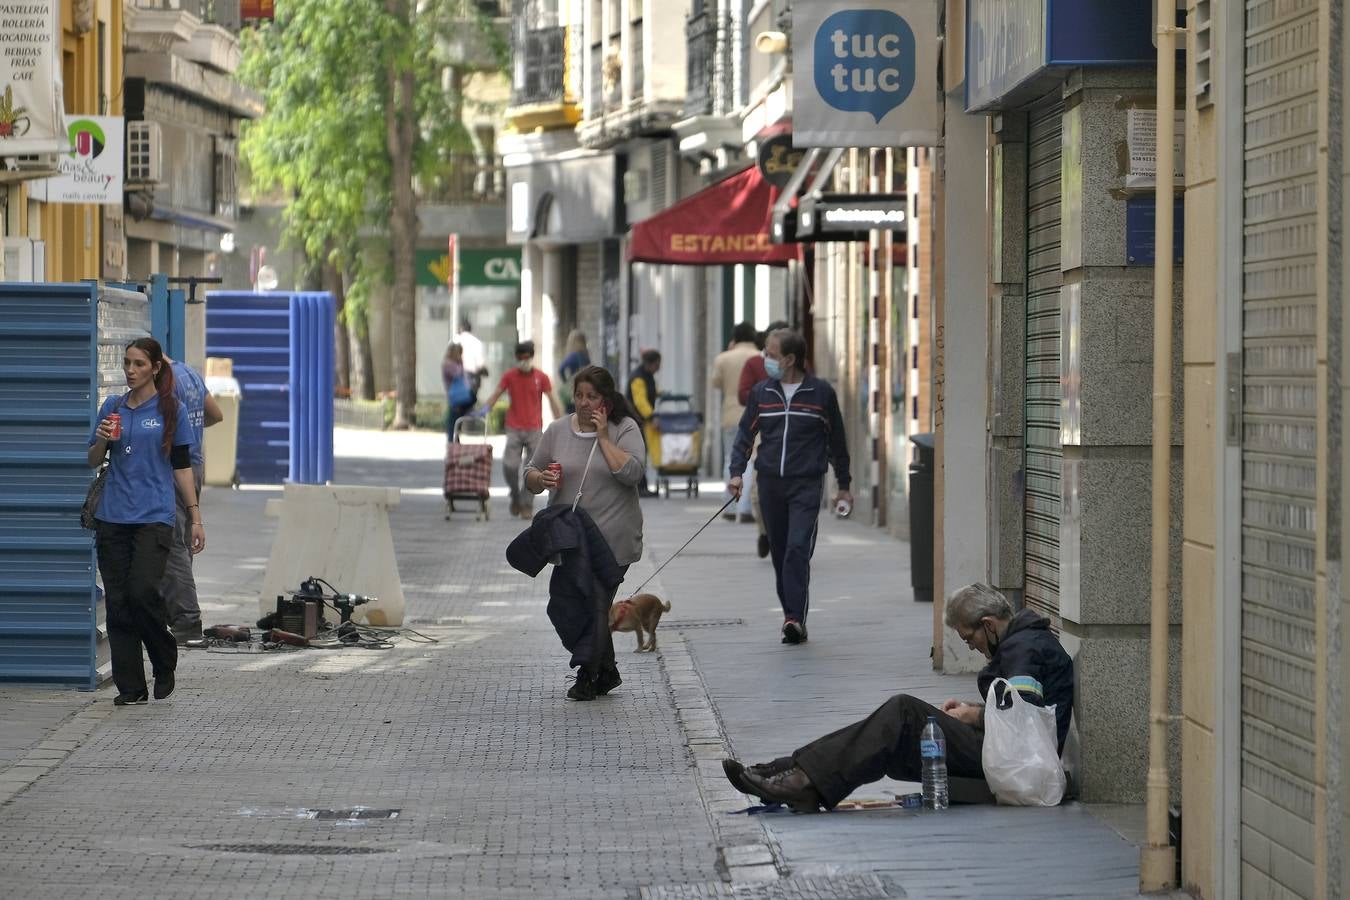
x: 712, y: 519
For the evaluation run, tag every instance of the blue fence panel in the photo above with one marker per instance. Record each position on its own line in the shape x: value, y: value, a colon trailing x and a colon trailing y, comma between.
x: 49, y: 374
x: 312, y: 321
x: 254, y: 329
x: 282, y: 347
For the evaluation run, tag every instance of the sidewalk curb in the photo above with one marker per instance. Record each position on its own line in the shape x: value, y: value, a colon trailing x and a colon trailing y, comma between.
x: 744, y: 845
x: 53, y: 750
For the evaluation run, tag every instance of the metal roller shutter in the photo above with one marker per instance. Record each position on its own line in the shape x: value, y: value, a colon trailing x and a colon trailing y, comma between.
x: 1042, y: 439
x: 1279, y: 441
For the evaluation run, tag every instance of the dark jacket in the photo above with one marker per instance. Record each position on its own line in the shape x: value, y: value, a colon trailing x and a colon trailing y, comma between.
x: 1031, y: 658
x: 583, y: 581
x: 797, y: 439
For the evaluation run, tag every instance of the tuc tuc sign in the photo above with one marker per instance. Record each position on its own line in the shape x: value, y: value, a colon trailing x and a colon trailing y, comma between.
x: 865, y: 73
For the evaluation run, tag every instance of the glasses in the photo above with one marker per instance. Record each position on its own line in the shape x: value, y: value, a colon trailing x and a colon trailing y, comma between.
x: 968, y: 637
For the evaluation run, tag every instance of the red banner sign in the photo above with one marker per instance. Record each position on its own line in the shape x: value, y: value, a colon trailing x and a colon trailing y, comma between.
x: 723, y: 224
x: 257, y: 9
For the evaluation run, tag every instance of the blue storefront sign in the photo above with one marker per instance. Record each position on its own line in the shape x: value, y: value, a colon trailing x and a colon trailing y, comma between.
x: 865, y: 73
x: 1016, y: 50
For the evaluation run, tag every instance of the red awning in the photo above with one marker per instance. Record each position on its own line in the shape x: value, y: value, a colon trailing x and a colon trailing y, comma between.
x: 725, y: 223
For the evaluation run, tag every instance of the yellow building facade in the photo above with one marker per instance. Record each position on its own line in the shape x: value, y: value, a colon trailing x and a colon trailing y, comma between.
x: 76, y: 235
x: 1263, y: 732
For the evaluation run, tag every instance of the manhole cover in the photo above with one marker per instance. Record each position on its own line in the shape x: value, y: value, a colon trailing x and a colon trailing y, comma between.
x: 703, y: 623
x: 358, y: 813
x: 839, y: 887
x: 293, y: 849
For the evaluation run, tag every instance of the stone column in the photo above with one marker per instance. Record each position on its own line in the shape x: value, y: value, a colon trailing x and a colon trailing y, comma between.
x: 1106, y: 427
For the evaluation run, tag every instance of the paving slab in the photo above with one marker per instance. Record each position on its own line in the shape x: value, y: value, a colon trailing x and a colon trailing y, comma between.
x: 503, y: 789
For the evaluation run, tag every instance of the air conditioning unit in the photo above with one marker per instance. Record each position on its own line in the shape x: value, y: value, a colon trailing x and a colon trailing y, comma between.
x: 36, y: 162
x: 145, y: 151
x: 25, y: 259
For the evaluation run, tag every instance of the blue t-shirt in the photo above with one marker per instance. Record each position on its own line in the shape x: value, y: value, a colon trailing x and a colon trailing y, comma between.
x: 140, y: 487
x: 189, y: 388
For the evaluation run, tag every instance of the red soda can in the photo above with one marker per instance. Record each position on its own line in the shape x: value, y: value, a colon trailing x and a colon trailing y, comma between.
x: 556, y: 469
x: 115, y: 420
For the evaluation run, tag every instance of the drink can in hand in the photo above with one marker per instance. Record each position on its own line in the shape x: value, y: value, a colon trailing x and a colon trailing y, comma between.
x: 115, y: 423
x: 556, y: 469
x: 843, y: 508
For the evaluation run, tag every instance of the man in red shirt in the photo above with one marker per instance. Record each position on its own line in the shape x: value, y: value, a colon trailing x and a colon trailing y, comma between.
x: 752, y: 374
x: 527, y: 387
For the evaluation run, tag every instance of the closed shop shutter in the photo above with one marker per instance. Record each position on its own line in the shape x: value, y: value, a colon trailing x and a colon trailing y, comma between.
x: 1279, y: 441
x: 1042, y: 439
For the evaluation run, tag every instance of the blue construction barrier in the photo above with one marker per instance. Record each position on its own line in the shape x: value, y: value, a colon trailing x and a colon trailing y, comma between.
x: 282, y: 347
x: 61, y: 348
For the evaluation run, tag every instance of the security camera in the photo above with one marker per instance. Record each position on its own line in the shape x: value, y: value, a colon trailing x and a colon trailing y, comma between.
x: 771, y: 42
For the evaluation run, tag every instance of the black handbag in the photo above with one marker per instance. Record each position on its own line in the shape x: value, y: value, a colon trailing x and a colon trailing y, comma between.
x: 96, y: 486
x: 91, y: 499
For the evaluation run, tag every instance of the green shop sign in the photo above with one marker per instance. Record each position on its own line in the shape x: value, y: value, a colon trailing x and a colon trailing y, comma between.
x: 478, y: 268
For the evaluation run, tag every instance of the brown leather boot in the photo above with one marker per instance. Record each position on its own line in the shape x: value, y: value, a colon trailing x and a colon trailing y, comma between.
x: 792, y: 787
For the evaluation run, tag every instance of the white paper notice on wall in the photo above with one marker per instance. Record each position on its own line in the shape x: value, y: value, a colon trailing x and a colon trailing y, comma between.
x: 1141, y: 140
x: 32, y: 117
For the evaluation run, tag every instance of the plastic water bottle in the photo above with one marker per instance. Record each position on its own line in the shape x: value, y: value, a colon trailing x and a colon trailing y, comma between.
x: 933, y: 749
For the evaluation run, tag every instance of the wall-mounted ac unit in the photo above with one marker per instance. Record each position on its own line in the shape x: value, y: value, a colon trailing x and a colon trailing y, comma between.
x: 37, y: 162
x: 145, y: 151
x: 25, y: 259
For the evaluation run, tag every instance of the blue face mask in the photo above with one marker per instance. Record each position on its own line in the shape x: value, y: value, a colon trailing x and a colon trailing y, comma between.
x: 773, y: 368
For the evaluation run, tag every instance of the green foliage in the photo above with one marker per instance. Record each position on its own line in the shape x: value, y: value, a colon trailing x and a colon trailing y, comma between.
x: 323, y: 67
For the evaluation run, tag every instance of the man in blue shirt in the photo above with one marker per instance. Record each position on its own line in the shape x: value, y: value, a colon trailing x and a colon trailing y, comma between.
x: 179, y: 587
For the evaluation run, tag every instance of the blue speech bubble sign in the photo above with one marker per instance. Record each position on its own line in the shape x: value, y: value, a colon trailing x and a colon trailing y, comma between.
x: 864, y: 61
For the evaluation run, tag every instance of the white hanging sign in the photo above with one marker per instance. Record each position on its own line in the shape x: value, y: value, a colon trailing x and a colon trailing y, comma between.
x: 91, y: 171
x: 865, y: 73
x: 32, y: 116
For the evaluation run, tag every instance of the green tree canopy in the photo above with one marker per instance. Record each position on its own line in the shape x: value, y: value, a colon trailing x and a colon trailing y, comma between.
x: 360, y: 108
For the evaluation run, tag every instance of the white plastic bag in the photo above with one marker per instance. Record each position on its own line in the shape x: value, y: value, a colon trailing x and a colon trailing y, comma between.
x: 1020, y: 755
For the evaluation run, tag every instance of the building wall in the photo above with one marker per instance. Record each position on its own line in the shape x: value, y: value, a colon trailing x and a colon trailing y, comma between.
x: 1200, y: 752
x: 74, y: 232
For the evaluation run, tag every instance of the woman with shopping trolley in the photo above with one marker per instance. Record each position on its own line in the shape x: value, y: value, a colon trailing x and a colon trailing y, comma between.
x: 797, y: 418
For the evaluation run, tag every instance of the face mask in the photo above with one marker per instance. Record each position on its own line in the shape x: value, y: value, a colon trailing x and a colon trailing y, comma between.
x: 773, y: 368
x: 525, y: 365
x: 990, y: 641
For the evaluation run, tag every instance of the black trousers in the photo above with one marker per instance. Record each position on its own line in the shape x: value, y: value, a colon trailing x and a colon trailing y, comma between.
x: 886, y: 743
x: 790, y: 507
x: 131, y: 559
x: 591, y: 642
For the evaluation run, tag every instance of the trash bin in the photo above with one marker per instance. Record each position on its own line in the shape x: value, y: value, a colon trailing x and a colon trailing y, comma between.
x: 921, y: 519
x: 220, y: 442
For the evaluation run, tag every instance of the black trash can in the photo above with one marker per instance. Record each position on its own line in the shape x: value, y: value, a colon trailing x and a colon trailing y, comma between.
x: 921, y: 519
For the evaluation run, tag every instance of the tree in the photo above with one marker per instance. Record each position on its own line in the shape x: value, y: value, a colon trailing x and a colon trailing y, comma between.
x: 359, y: 113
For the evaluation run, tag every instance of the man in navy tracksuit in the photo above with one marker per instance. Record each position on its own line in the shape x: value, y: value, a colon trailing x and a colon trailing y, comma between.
x: 797, y: 418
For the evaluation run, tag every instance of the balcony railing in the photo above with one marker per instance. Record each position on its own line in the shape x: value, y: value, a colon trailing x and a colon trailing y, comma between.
x: 539, y: 66
x: 467, y: 180
x: 639, y: 71
x: 700, y: 35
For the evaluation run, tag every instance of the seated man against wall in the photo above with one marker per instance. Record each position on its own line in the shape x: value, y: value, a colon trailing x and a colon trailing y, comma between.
x: 1020, y: 647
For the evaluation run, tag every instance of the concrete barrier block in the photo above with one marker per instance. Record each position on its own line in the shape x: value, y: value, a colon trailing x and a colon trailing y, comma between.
x: 339, y: 533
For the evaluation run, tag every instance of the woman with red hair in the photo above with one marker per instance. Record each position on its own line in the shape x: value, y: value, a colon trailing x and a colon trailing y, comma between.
x: 149, y: 451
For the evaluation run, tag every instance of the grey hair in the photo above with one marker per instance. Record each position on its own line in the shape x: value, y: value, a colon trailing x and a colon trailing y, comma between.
x: 968, y: 605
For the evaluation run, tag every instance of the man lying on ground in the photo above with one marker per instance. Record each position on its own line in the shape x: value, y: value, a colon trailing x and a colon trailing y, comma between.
x: 1020, y: 647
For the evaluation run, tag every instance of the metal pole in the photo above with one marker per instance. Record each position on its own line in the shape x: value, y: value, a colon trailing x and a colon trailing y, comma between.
x: 1157, y: 859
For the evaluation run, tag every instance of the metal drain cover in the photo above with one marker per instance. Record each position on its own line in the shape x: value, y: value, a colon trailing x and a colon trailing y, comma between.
x: 360, y: 812
x: 293, y: 849
x: 703, y: 623
x: 838, y: 887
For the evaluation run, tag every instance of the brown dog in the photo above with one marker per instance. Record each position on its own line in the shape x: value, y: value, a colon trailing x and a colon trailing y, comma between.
x: 639, y: 613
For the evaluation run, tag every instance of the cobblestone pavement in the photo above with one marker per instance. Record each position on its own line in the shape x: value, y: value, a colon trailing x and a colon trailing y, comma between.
x: 502, y: 788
